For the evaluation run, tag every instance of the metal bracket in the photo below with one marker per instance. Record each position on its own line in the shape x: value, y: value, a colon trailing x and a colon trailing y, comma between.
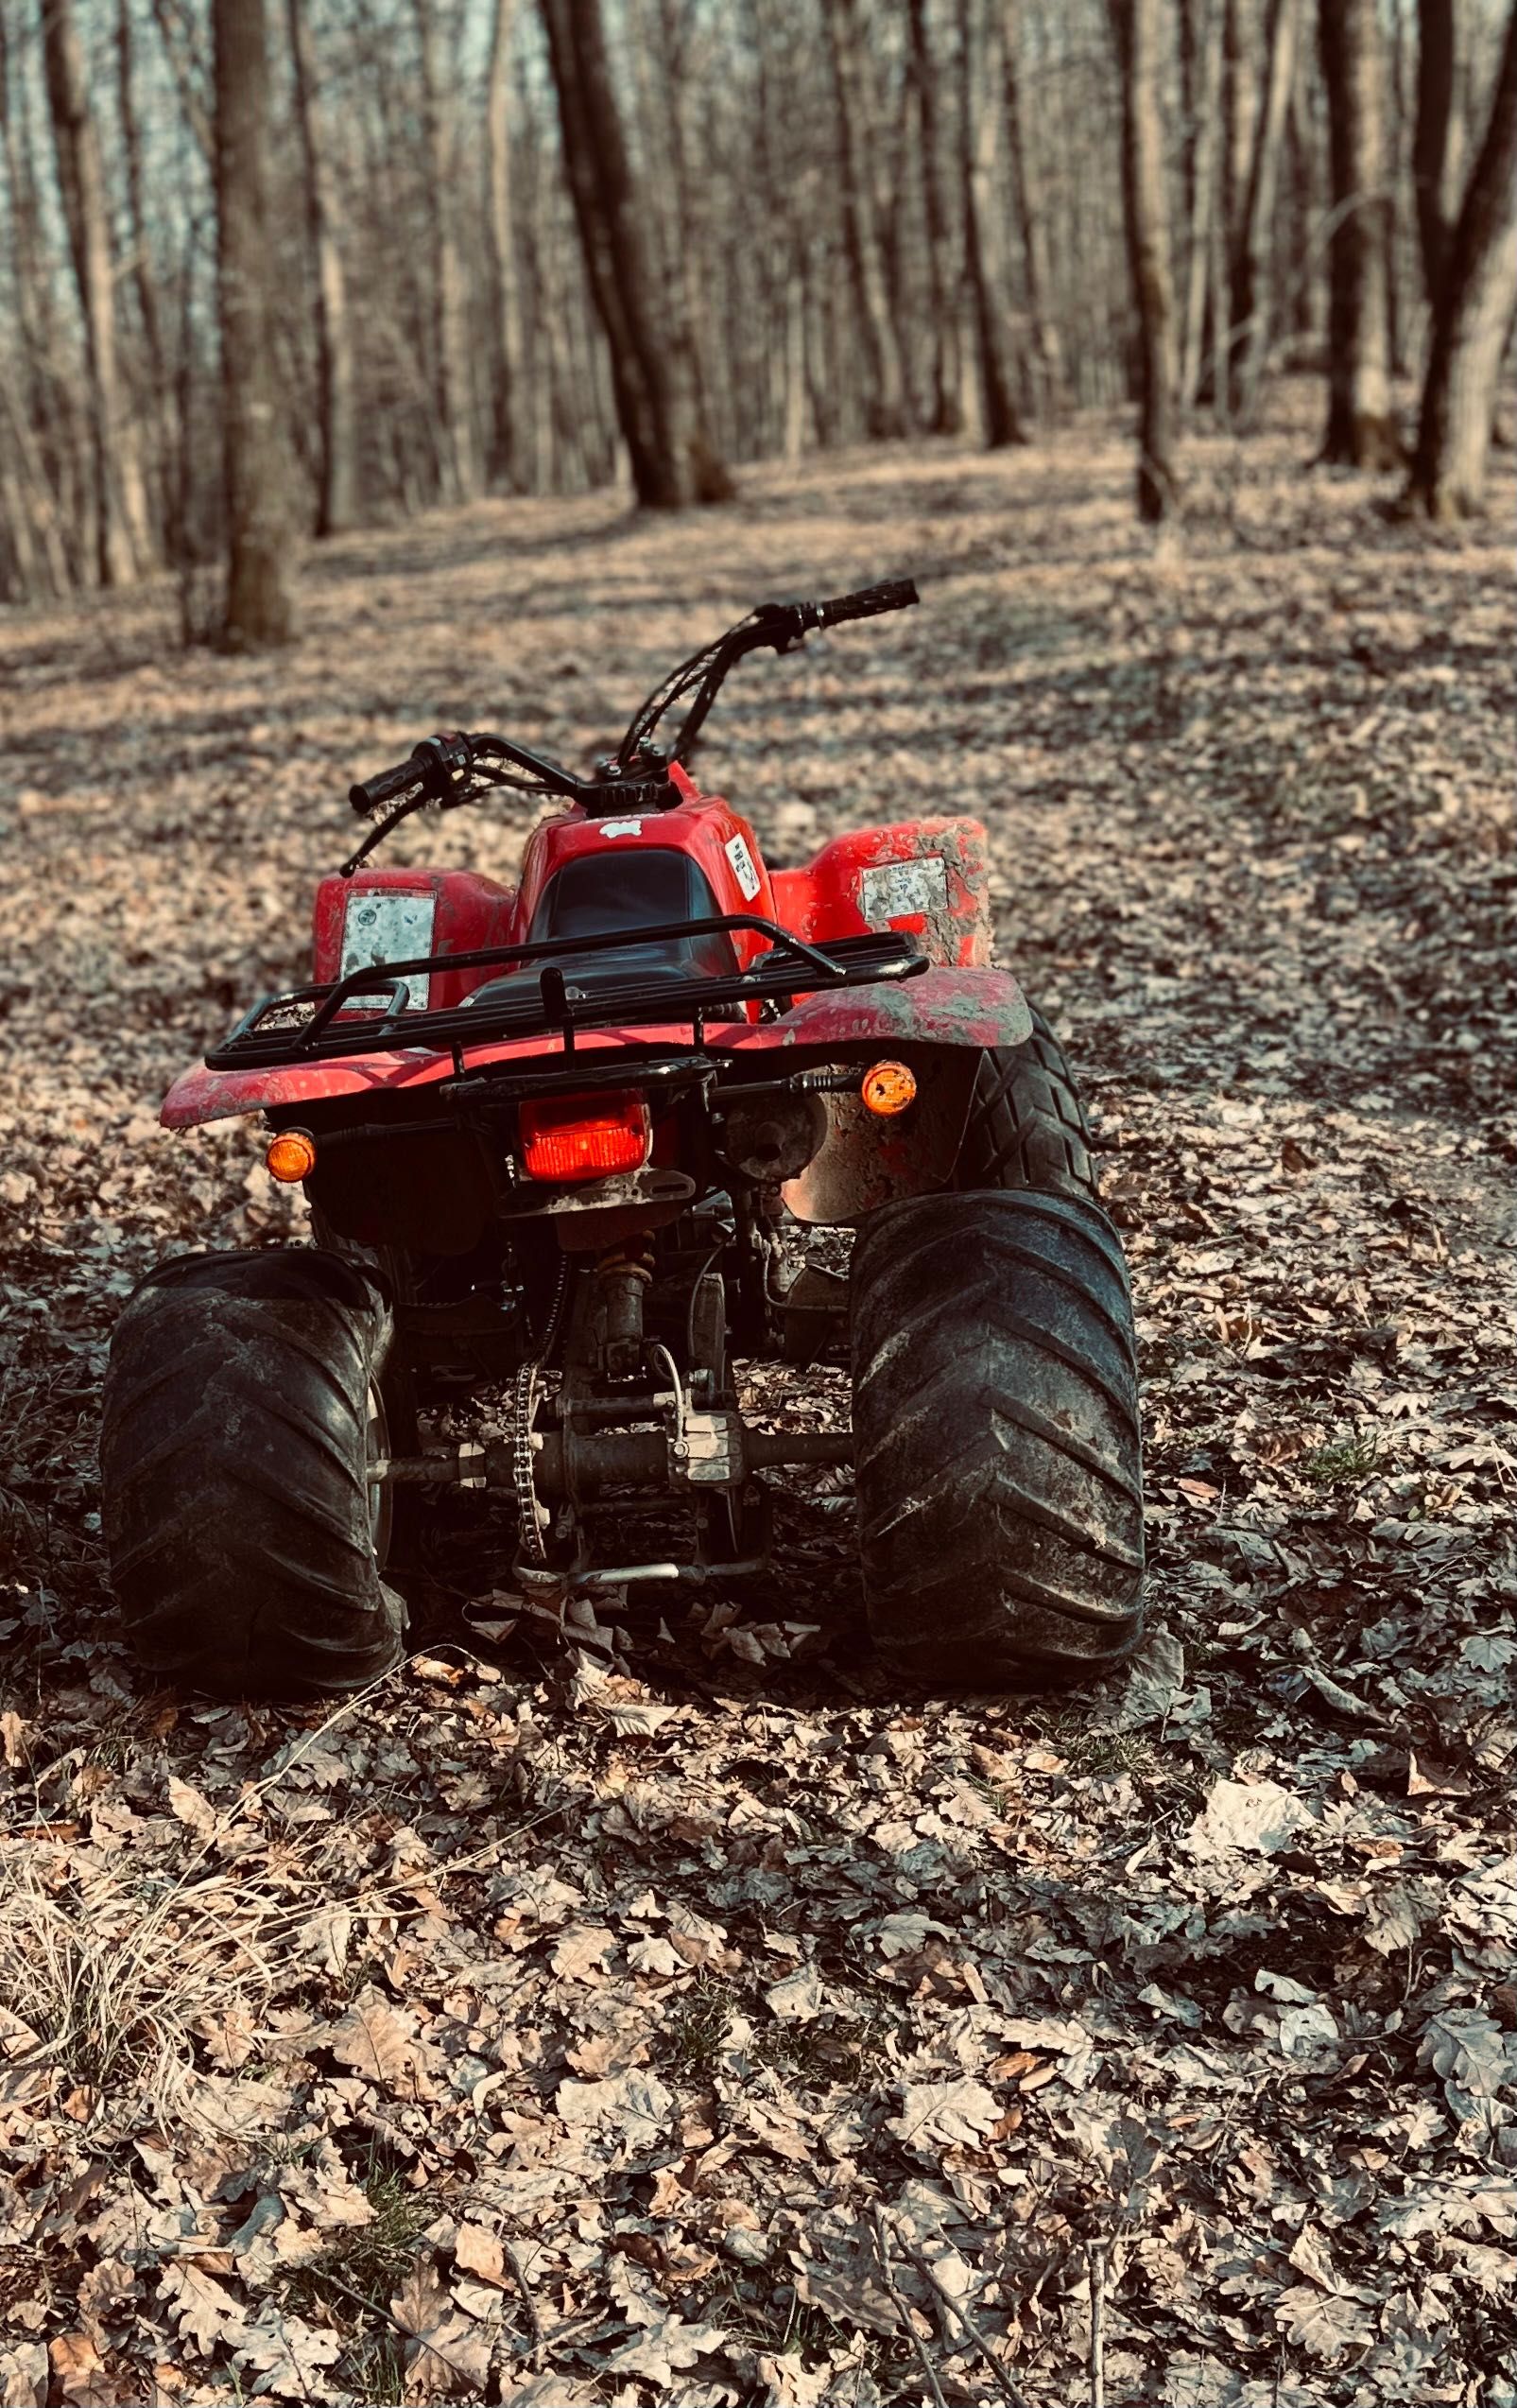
x: 708, y: 1452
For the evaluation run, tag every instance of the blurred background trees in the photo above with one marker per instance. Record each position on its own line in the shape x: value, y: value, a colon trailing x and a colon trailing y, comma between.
x: 272, y: 272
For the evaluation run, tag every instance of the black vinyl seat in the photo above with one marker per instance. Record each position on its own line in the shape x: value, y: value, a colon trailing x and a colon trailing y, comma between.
x: 599, y: 893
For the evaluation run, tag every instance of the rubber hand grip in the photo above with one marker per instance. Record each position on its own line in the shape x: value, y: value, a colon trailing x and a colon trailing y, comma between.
x: 388, y: 786
x: 897, y: 594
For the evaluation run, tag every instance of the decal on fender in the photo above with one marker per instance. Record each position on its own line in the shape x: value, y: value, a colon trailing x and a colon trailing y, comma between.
x: 620, y: 827
x: 388, y: 925
x: 742, y: 869
x: 904, y: 891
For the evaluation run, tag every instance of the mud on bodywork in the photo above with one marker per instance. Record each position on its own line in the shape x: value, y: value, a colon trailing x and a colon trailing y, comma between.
x: 864, y: 1162
x: 929, y: 878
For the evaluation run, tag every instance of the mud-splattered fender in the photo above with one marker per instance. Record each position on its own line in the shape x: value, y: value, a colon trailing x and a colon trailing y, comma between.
x: 975, y: 1008
x: 940, y: 1023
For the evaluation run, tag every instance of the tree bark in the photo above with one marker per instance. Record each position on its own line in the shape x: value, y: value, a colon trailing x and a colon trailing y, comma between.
x: 1432, y: 142
x: 506, y: 318
x: 337, y: 383
x: 886, y: 395
x: 1148, y: 229
x: 1203, y: 55
x: 1043, y: 330
x: 672, y: 461
x: 1361, y: 431
x: 1252, y: 261
x: 141, y: 273
x: 456, y: 456
x: 1001, y: 423
x: 1478, y: 291
x: 945, y: 415
x: 121, y: 513
x: 259, y: 610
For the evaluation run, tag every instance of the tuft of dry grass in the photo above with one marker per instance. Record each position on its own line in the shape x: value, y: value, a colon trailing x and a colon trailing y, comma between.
x: 108, y: 1987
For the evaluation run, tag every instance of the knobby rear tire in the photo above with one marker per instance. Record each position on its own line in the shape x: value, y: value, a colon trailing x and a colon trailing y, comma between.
x: 232, y: 1460
x: 1027, y: 1125
x: 995, y: 1429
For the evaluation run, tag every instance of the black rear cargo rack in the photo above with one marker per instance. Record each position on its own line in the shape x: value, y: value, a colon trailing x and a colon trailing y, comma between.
x: 312, y: 1024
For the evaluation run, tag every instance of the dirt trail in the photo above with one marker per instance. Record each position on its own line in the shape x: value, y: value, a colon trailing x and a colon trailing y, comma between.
x: 651, y: 1987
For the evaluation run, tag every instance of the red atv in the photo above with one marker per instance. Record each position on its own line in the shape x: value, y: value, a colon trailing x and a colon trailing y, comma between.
x: 561, y: 1142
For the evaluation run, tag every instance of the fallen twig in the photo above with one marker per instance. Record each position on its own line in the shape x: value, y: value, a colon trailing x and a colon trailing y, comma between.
x: 513, y: 2259
x: 1095, y: 2261
x: 968, y: 2327
x: 882, y: 2248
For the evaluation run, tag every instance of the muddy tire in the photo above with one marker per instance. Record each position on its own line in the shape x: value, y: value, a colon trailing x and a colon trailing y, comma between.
x: 238, y: 1406
x: 996, y: 1430
x: 1027, y: 1125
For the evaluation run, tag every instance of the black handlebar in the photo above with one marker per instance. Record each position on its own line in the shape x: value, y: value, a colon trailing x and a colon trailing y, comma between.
x: 897, y: 594
x: 451, y: 768
x: 386, y: 786
x: 437, y: 765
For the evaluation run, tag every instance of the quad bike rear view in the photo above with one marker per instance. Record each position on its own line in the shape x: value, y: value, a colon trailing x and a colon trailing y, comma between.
x: 558, y: 1142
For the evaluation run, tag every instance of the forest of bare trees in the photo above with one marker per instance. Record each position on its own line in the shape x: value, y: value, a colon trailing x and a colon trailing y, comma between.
x: 268, y: 271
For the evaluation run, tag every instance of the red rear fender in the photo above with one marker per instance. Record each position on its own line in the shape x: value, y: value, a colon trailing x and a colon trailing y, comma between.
x: 928, y: 878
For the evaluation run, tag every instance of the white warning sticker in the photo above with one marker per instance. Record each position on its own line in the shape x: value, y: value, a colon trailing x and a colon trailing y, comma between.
x: 389, y: 925
x: 743, y: 866
x: 904, y: 891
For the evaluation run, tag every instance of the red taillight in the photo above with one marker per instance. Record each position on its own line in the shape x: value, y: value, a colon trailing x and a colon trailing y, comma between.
x: 584, y: 1136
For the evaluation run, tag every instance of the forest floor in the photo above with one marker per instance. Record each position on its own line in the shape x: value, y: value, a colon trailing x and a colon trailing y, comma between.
x: 535, y: 2032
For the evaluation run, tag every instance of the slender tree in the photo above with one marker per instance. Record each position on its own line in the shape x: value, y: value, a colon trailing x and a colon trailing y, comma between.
x: 1433, y: 147
x: 1253, y: 259
x: 505, y: 438
x: 119, y: 499
x: 454, y: 438
x: 335, y: 371
x: 861, y: 228
x: 944, y: 412
x: 1147, y: 208
x: 1037, y: 281
x: 1361, y: 431
x: 673, y: 460
x: 1201, y: 62
x: 259, y: 608
x: 1478, y: 291
x: 999, y: 415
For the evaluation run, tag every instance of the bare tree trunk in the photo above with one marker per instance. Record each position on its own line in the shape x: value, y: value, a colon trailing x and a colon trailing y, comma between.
x: 1204, y: 114
x: 141, y: 273
x: 457, y: 474
x: 259, y: 609
x: 1001, y: 424
x: 1148, y: 223
x: 1470, y: 329
x: 1361, y: 432
x: 506, y: 323
x: 674, y: 462
x: 123, y: 545
x: 945, y: 415
x: 1252, y: 261
x: 337, y: 391
x: 886, y: 398
x: 1432, y: 143
x: 1042, y: 331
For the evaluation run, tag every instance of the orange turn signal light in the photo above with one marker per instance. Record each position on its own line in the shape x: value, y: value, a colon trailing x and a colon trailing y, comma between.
x: 567, y: 1138
x: 887, y: 1087
x: 290, y: 1157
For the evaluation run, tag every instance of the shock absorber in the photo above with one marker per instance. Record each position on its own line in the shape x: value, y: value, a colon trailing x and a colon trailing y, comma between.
x: 623, y: 1276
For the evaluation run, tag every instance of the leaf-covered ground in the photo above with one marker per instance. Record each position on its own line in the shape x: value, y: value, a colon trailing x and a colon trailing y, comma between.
x: 718, y: 2027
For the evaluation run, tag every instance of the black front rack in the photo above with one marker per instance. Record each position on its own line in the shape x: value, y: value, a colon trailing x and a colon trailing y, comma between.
x: 312, y: 1024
